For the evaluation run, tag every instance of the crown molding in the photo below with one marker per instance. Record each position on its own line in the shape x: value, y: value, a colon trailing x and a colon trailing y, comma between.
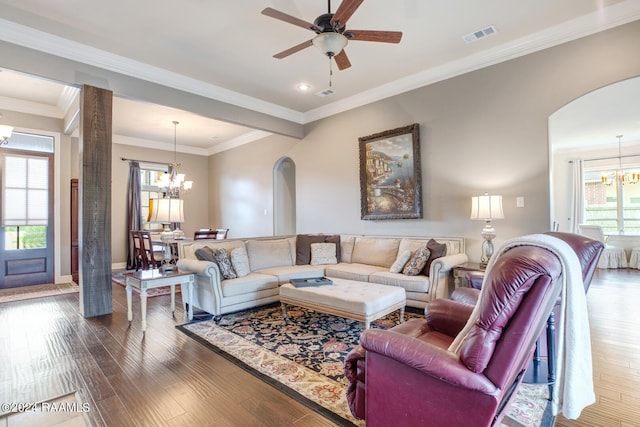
x: 31, y: 38
x: 155, y: 145
x: 607, y: 18
x: 238, y: 141
x: 28, y: 107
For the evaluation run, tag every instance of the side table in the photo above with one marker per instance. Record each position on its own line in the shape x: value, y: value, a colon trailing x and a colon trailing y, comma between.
x: 149, y: 279
x: 462, y: 273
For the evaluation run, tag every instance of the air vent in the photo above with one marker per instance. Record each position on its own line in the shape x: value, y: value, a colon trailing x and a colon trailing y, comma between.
x: 477, y: 35
x: 325, y: 92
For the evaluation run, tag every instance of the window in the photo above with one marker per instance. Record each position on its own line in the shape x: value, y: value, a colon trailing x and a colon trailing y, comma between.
x: 149, y: 176
x: 25, y: 203
x: 612, y: 205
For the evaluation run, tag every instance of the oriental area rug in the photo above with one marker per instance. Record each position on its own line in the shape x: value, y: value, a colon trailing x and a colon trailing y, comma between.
x: 304, y: 358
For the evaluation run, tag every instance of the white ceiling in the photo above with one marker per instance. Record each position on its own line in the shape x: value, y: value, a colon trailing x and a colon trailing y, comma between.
x: 225, y: 48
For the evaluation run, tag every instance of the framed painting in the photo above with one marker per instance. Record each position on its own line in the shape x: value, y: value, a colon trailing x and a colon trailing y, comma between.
x: 390, y: 176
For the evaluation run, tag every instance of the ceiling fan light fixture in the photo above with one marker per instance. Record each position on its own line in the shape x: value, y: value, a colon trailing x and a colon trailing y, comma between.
x: 330, y: 43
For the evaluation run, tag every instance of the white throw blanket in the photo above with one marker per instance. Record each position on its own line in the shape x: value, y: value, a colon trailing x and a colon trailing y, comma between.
x: 573, y: 389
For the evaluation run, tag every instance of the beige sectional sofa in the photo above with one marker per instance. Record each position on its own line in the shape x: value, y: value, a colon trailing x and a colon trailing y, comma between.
x: 270, y: 262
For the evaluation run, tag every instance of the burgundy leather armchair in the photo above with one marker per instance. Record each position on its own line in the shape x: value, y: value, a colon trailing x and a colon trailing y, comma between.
x: 587, y: 250
x: 407, y: 375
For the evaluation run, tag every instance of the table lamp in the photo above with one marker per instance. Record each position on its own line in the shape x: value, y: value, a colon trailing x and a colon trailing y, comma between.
x: 167, y: 211
x: 486, y: 208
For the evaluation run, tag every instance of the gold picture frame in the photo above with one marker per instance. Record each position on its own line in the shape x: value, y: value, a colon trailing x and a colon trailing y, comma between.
x: 390, y: 174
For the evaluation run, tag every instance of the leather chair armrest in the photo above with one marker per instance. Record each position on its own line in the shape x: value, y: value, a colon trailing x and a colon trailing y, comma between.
x: 438, y: 363
x: 354, y: 371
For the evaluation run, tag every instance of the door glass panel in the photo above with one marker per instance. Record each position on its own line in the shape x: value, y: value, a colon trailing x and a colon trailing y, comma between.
x: 25, y: 237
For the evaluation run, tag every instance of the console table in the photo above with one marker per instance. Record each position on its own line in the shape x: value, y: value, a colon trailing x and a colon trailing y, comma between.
x: 149, y: 279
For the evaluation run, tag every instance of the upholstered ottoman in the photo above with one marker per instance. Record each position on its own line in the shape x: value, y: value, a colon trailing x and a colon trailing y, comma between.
x: 351, y: 299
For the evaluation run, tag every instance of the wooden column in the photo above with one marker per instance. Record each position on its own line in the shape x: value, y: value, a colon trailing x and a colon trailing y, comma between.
x: 95, y: 201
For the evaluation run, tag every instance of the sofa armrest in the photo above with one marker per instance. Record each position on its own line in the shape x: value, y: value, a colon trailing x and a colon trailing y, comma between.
x: 205, y: 268
x: 435, y: 362
x: 446, y: 263
x: 439, y: 274
x: 208, y: 293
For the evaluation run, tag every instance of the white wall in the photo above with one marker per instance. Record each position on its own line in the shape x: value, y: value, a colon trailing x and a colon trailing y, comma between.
x: 483, y: 131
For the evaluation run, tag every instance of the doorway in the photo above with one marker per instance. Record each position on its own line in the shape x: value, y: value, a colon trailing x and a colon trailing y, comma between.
x: 584, y: 133
x: 26, y: 206
x: 284, y: 197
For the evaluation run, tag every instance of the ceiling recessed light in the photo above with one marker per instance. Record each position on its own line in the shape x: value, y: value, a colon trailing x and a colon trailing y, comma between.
x: 303, y: 87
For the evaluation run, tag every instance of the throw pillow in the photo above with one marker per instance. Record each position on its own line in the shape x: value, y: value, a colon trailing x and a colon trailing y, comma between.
x: 400, y: 262
x: 205, y: 254
x: 417, y: 262
x: 224, y: 264
x: 335, y: 239
x: 437, y: 250
x: 323, y: 253
x: 303, y: 247
x: 240, y: 261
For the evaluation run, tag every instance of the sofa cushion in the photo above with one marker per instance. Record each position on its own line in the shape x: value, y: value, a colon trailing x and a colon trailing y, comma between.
x: 417, y: 283
x: 286, y: 273
x: 346, y: 248
x: 303, y: 247
x: 352, y: 271
x: 323, y: 254
x: 250, y: 283
x: 224, y: 264
x: 269, y: 253
x: 437, y: 250
x: 400, y: 261
x: 380, y: 251
x: 416, y: 262
x: 240, y: 261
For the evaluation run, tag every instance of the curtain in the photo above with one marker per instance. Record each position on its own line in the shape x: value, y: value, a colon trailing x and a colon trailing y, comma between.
x: 134, y: 221
x: 577, y: 195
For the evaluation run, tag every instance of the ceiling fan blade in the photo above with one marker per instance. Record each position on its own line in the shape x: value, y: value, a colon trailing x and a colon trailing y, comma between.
x: 290, y: 19
x: 345, y: 10
x: 342, y: 60
x: 293, y: 49
x: 374, y: 36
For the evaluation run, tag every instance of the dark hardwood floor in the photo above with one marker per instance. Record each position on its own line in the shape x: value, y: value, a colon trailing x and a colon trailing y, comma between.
x: 167, y: 379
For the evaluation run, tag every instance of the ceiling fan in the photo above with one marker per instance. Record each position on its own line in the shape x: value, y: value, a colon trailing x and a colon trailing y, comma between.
x: 332, y: 34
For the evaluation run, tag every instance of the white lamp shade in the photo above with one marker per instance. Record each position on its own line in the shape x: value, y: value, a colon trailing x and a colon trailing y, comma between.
x: 486, y: 207
x: 5, y: 132
x: 166, y: 210
x: 330, y: 43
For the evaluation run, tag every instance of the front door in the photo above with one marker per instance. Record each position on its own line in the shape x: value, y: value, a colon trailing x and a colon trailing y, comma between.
x: 26, y: 209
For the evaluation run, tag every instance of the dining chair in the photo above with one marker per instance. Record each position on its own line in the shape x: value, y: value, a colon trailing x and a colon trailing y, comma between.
x: 612, y: 256
x: 205, y: 233
x: 151, y: 255
x: 137, y: 248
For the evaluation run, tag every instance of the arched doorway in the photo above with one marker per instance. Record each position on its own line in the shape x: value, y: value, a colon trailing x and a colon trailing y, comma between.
x: 284, y: 197
x: 584, y: 133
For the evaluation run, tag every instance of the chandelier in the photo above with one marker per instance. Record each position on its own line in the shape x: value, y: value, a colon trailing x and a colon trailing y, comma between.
x: 5, y: 133
x: 173, y: 181
x: 620, y: 175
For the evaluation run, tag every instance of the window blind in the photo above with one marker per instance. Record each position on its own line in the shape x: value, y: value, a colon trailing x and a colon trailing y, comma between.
x: 25, y: 191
